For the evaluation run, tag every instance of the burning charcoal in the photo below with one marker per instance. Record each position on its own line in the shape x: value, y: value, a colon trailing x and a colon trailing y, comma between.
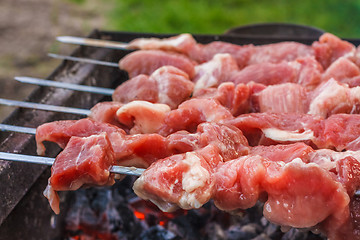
x: 158, y: 233
x: 100, y: 212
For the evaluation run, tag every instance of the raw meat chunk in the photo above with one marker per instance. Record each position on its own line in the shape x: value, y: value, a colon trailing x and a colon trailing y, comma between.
x: 280, y: 52
x: 84, y: 161
x: 219, y: 69
x: 61, y: 132
x: 182, y: 43
x: 105, y: 112
x: 147, y: 61
x: 142, y: 116
x: 183, y: 180
x: 191, y: 113
x: 167, y: 85
x: 329, y: 48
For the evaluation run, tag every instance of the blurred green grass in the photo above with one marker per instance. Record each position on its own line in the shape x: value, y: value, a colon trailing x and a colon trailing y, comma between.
x: 340, y: 17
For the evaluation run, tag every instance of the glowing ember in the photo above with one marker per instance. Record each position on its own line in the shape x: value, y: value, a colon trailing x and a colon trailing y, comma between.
x: 145, y: 210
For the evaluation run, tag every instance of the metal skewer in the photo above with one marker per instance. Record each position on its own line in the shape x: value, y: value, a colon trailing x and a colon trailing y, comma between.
x: 46, y: 107
x: 71, y: 86
x: 85, y: 60
x: 93, y: 42
x: 49, y: 161
x: 12, y: 128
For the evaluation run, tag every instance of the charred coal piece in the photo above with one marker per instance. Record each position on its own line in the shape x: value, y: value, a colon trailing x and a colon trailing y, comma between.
x: 160, y: 233
x: 101, y: 213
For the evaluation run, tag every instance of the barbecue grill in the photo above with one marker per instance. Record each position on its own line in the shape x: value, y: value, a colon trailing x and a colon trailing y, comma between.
x: 24, y: 212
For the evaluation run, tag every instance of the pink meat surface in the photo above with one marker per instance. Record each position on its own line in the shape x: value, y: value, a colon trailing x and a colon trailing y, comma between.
x: 303, y: 195
x: 352, y: 82
x: 272, y: 128
x: 236, y: 98
x: 329, y: 48
x: 187, y: 45
x: 217, y: 70
x: 130, y: 150
x: 285, y: 153
x: 60, y: 132
x: 243, y: 54
x: 341, y: 132
x: 228, y: 139
x: 142, y: 117
x: 84, y: 161
x: 191, y: 113
x: 342, y: 70
x: 206, y: 52
x: 279, y: 52
x: 332, y: 97
x: 298, y: 194
x: 304, y: 71
x: 141, y: 150
x: 136, y: 88
x: 183, y: 180
x: 174, y: 86
x: 106, y: 112
x: 266, y: 73
x: 147, y: 61
x: 167, y: 85
x: 282, y: 98
x: 182, y: 43
x: 237, y: 183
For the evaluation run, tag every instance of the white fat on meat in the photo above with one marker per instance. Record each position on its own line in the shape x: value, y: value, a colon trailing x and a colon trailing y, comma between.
x: 330, y: 98
x: 53, y: 198
x: 355, y: 99
x: 163, y: 87
x: 327, y: 158
x: 173, y: 85
x: 142, y: 116
x: 215, y: 71
x: 179, y: 43
x: 196, y: 177
x: 288, y: 136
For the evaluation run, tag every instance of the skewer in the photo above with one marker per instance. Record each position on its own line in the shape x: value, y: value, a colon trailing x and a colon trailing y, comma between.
x: 85, y: 60
x: 49, y: 161
x: 71, y: 86
x: 46, y: 107
x: 12, y: 128
x: 93, y: 42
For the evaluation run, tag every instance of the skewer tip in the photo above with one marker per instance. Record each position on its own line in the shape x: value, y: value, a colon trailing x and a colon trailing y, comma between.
x: 65, y: 39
